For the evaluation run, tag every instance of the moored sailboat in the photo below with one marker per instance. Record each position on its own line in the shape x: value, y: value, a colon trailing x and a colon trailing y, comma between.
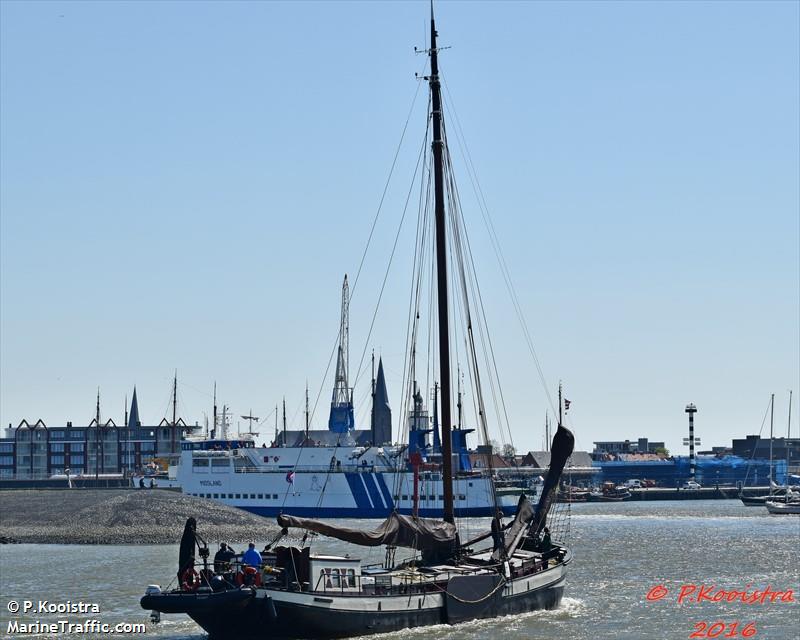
x: 789, y: 503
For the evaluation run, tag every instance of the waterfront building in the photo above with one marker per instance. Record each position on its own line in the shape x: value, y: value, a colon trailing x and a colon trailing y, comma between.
x: 710, y: 471
x: 756, y: 447
x: 602, y: 449
x: 32, y: 450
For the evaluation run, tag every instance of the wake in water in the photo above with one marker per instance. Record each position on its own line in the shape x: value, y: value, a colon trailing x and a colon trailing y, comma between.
x: 568, y: 609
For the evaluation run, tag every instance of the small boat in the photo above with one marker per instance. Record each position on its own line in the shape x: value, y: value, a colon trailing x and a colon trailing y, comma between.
x: 570, y: 494
x: 790, y: 507
x: 753, y: 501
x: 609, y: 492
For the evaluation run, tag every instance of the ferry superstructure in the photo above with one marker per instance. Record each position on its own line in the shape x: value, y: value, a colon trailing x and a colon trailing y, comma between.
x: 328, y: 482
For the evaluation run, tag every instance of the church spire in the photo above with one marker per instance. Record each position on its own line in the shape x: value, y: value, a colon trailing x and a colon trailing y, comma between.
x: 382, y: 412
x: 133, y: 416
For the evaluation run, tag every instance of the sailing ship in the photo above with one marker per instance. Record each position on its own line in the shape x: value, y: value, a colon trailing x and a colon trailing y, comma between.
x: 294, y: 593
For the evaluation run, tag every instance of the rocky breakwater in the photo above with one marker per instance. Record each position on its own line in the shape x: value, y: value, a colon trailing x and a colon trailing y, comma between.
x: 126, y: 516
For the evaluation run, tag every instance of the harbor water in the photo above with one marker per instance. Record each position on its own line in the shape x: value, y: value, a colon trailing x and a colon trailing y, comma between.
x: 622, y: 553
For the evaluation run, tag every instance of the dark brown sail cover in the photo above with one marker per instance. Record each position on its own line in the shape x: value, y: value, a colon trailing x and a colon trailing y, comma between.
x: 527, y: 518
x: 423, y: 534
x: 560, y: 451
x: 186, y: 551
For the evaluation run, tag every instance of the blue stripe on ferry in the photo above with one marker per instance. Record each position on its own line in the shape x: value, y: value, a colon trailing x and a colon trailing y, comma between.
x: 387, y: 496
x: 374, y: 493
x: 344, y: 512
x: 359, y: 494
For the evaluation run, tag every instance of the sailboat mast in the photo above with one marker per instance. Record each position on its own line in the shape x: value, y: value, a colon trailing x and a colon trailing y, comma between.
x: 172, y: 446
x: 788, y: 435
x: 441, y: 275
x: 307, y: 414
x: 771, y: 415
x: 372, y: 411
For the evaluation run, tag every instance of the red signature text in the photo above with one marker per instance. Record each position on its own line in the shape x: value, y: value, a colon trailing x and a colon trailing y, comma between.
x: 717, y: 629
x: 709, y: 593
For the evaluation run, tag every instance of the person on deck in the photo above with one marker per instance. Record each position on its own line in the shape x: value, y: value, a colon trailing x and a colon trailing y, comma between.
x: 251, y: 557
x: 222, y: 558
x: 546, y: 543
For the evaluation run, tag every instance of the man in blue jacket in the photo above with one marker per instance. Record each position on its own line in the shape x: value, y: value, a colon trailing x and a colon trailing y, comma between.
x: 251, y: 557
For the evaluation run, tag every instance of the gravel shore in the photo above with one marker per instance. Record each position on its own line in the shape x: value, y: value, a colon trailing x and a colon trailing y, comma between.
x: 121, y: 516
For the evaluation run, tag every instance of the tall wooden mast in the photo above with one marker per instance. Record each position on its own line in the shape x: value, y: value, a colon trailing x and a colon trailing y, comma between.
x: 441, y: 275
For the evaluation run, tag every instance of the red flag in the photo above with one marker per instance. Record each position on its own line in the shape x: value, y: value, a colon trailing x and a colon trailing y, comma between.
x: 566, y: 404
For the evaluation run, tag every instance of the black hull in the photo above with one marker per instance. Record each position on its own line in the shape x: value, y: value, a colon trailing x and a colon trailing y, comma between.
x: 753, y: 501
x: 263, y: 618
x: 301, y: 621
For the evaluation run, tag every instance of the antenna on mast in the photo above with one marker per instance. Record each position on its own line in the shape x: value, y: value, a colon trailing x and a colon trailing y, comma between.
x: 250, y: 417
x: 308, y: 415
x: 214, y: 428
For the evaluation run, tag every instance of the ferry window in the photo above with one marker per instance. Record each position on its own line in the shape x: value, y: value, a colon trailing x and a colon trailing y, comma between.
x: 252, y: 496
x: 260, y: 496
x: 469, y: 484
x: 200, y: 462
x: 441, y: 497
x: 238, y: 496
x: 274, y: 496
x: 216, y: 495
x: 219, y: 462
x: 462, y: 497
x: 404, y: 497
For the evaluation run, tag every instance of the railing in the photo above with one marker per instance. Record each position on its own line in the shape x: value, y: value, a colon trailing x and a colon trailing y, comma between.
x: 316, y: 469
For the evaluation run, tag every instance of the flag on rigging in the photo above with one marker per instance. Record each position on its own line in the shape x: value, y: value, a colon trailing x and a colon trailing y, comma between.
x: 290, y: 477
x: 566, y: 404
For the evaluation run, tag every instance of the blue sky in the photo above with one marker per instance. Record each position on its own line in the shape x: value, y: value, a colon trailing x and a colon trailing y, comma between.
x: 183, y: 186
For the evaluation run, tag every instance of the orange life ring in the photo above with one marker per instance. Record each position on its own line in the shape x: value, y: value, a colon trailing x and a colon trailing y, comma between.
x: 250, y: 576
x: 190, y: 580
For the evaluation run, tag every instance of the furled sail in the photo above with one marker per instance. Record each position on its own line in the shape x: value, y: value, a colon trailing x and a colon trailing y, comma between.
x: 186, y: 552
x: 560, y: 451
x: 424, y: 534
x: 526, y: 517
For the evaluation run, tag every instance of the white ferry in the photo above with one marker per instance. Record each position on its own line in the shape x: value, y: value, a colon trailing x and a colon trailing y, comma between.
x: 326, y: 482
